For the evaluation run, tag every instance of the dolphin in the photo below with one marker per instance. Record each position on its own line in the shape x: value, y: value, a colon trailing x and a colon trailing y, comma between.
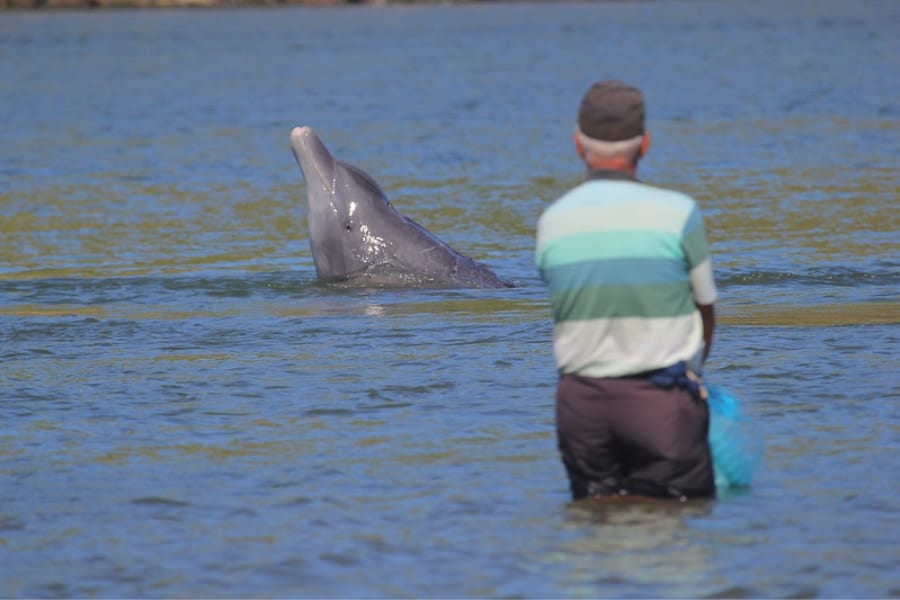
x: 357, y: 236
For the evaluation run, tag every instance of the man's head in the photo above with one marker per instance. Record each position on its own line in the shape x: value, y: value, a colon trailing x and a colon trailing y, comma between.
x: 610, y: 127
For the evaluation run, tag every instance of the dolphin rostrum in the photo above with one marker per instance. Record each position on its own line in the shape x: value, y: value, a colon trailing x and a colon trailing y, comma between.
x: 356, y: 235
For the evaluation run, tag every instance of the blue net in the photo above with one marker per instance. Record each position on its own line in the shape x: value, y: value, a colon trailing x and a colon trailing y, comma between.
x: 736, y: 448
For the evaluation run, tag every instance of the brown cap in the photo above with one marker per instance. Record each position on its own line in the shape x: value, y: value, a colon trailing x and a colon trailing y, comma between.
x: 611, y: 111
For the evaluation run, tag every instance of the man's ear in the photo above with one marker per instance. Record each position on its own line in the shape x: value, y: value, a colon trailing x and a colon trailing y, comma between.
x: 579, y: 148
x: 645, y: 144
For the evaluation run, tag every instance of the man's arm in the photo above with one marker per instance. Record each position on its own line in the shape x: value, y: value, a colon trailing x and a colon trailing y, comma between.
x: 708, y: 314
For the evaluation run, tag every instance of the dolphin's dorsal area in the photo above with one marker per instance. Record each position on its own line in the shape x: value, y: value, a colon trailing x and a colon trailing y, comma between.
x: 357, y: 236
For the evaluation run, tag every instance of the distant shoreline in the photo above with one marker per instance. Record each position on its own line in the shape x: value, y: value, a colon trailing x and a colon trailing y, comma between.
x: 150, y: 4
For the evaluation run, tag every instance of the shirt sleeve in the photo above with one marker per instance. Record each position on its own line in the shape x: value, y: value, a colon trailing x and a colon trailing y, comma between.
x: 703, y: 283
x: 696, y: 252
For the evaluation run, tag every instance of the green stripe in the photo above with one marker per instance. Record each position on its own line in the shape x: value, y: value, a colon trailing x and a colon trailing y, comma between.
x: 613, y: 301
x: 615, y: 244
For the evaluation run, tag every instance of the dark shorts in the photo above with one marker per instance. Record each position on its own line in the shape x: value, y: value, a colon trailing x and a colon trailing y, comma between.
x: 628, y: 436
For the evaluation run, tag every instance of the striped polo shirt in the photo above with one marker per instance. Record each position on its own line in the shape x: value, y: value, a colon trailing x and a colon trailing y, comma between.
x: 625, y: 263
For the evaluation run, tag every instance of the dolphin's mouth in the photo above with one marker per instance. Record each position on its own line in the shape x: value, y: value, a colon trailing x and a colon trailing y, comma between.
x: 311, y: 155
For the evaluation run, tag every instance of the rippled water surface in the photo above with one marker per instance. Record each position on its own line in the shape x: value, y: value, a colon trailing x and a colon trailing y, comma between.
x: 186, y: 412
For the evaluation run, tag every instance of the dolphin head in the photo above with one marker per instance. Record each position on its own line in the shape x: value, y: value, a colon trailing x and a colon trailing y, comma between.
x: 345, y: 207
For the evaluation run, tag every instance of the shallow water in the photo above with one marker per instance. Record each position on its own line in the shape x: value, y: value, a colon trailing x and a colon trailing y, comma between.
x: 187, y: 412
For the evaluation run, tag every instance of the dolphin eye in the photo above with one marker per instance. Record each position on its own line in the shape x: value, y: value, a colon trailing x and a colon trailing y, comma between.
x: 348, y: 226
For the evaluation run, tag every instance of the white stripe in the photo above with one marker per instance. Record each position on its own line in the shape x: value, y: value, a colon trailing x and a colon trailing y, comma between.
x: 703, y: 283
x: 637, y: 207
x: 625, y: 346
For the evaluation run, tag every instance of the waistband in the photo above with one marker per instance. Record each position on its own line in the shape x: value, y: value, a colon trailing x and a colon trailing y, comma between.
x: 677, y: 375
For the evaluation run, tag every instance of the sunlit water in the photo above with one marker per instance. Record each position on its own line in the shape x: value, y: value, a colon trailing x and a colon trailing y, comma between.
x: 186, y: 412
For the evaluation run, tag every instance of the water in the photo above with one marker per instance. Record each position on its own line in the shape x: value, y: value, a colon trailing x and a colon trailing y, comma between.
x: 186, y: 412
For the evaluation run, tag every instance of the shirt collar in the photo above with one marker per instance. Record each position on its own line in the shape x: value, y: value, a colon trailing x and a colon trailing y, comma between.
x: 610, y: 174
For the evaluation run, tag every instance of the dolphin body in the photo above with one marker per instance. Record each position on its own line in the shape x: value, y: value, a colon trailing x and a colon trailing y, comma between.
x: 357, y: 236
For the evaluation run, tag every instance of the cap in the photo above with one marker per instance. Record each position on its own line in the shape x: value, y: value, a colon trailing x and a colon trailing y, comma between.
x: 612, y: 111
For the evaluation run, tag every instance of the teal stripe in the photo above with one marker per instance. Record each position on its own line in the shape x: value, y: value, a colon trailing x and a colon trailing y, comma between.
x: 615, y: 244
x: 615, y: 301
x: 616, y: 271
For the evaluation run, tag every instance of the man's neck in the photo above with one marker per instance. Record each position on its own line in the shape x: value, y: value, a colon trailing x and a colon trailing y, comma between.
x: 611, y: 169
x: 612, y: 164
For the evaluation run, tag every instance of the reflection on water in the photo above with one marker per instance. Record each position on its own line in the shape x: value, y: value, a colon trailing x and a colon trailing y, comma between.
x: 189, y: 413
x: 644, y: 543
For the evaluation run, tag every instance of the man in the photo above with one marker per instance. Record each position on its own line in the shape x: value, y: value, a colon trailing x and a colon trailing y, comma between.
x: 632, y: 292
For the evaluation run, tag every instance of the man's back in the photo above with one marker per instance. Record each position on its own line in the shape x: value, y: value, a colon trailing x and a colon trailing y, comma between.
x: 625, y: 263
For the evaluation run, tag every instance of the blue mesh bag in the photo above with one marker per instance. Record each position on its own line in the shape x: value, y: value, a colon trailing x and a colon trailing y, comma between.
x: 736, y: 449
